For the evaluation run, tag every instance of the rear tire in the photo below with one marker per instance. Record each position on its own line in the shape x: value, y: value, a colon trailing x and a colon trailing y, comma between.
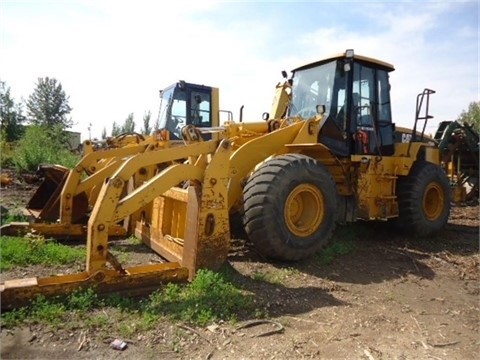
x: 290, y: 205
x: 423, y: 199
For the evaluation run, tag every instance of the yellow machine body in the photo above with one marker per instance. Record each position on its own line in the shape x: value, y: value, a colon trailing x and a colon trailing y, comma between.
x: 178, y: 196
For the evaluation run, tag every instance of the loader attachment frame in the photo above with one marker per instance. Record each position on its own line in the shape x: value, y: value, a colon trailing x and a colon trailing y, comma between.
x: 206, y: 226
x: 182, y: 210
x: 137, y: 280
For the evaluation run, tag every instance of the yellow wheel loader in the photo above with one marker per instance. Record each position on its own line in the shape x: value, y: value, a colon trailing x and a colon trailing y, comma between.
x: 326, y: 153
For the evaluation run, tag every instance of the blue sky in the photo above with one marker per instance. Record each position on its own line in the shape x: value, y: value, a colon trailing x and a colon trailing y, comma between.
x: 112, y: 57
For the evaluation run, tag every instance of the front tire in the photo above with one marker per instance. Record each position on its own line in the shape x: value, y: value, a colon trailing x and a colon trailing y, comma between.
x: 423, y: 199
x: 290, y: 205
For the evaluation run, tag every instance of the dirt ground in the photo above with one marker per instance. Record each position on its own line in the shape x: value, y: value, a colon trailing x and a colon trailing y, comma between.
x: 391, y: 297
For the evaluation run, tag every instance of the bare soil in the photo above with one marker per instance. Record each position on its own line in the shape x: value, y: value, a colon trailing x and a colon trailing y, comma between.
x: 392, y: 297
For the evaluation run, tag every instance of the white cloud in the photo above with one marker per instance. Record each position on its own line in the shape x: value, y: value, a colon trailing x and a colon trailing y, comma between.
x: 112, y: 57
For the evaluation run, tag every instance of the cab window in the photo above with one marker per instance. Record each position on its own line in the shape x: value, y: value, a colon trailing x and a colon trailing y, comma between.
x: 200, y: 105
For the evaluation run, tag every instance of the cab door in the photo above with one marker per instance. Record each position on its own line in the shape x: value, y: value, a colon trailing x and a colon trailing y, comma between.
x: 199, y: 107
x: 371, y: 120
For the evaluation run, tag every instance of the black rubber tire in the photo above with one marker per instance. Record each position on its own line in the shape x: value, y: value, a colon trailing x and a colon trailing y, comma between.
x: 423, y: 200
x: 268, y: 191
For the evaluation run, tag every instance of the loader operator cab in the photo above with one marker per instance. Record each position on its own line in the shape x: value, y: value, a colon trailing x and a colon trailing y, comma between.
x: 183, y: 104
x: 355, y: 92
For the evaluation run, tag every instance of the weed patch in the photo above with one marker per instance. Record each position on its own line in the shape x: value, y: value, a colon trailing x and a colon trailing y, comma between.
x: 7, y: 217
x: 17, y: 251
x: 342, y: 243
x: 209, y: 297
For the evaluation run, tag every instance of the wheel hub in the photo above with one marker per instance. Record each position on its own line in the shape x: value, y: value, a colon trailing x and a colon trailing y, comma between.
x: 304, y: 210
x: 433, y: 200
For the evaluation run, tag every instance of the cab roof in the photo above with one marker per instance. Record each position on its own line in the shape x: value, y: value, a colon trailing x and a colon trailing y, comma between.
x: 376, y: 62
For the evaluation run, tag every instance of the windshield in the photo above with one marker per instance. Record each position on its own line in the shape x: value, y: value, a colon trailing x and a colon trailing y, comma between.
x: 173, y: 111
x: 320, y: 85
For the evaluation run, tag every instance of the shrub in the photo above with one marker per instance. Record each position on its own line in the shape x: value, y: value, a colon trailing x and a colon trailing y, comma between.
x: 41, y: 146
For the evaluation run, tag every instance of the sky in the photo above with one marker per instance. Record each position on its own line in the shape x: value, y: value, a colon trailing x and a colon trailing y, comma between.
x: 113, y: 57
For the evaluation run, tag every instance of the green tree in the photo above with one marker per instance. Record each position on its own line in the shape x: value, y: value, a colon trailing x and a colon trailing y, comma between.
x: 116, y: 129
x: 48, y: 105
x: 147, y: 129
x: 11, y: 117
x: 129, y: 125
x: 104, y: 133
x: 472, y: 115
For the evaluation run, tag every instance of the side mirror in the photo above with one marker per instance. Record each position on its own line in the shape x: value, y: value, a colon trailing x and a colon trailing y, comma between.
x: 265, y: 116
